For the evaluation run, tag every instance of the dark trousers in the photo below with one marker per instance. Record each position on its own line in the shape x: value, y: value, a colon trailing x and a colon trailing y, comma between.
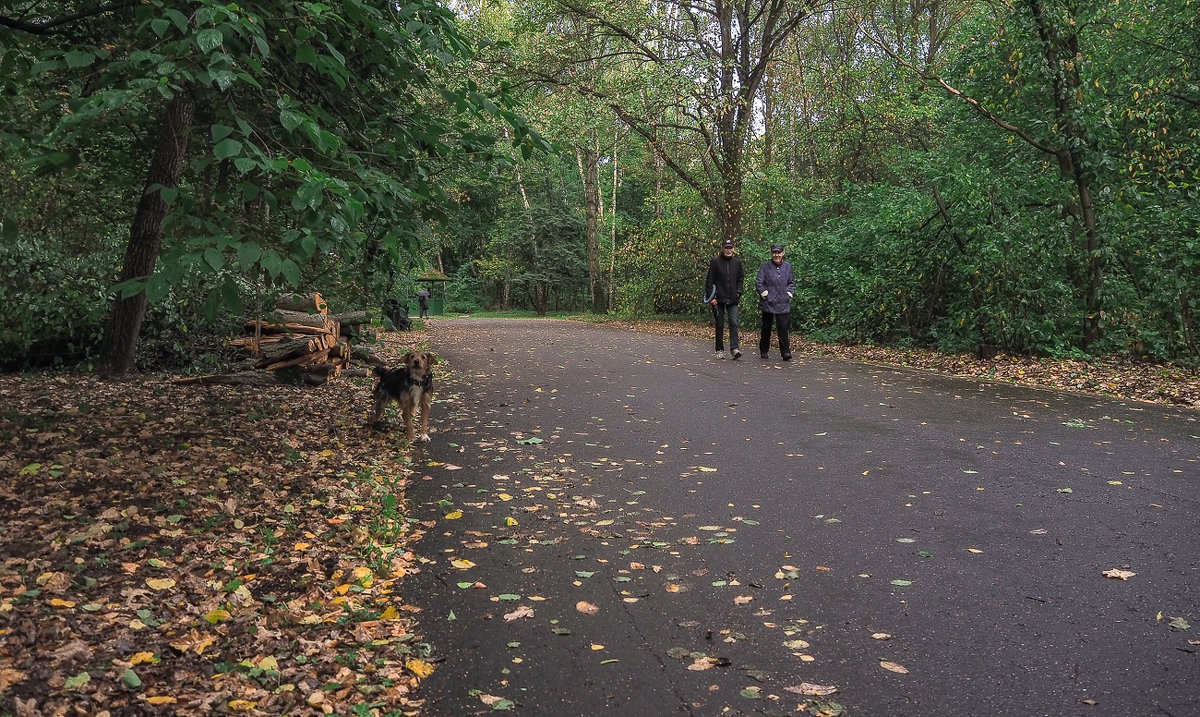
x: 781, y: 326
x: 719, y: 317
x: 424, y: 310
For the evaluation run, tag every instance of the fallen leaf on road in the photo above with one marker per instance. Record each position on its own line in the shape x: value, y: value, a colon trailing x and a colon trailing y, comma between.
x: 880, y: 636
x: 523, y: 611
x: 420, y: 668
x: 808, y: 688
x: 894, y: 667
x: 702, y: 663
x: 1119, y: 574
x: 587, y: 608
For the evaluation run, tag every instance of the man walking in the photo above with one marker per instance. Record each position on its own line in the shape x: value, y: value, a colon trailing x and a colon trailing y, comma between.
x: 775, y: 287
x: 724, y: 284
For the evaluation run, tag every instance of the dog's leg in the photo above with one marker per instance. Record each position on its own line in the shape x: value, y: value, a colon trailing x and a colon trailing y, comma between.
x: 407, y: 411
x: 381, y: 401
x: 426, y: 400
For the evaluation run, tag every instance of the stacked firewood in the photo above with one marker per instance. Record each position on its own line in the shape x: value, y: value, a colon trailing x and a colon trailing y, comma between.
x: 298, y: 342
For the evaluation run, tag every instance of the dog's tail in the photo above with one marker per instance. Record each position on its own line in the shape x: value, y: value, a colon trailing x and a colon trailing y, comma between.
x: 380, y: 371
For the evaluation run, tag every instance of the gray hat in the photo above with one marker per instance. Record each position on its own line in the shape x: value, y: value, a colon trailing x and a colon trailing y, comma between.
x: 776, y: 247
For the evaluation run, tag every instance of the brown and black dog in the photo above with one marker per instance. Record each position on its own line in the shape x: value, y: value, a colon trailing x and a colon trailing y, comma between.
x: 410, y: 386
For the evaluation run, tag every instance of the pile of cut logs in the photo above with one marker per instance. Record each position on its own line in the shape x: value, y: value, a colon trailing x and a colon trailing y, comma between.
x: 298, y: 342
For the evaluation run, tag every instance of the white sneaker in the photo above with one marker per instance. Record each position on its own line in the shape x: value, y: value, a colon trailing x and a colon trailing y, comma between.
x: 720, y: 355
x: 737, y: 354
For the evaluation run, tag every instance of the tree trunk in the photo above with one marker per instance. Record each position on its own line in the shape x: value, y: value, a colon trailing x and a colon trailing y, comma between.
x: 1060, y: 49
x: 145, y: 237
x: 588, y: 161
x: 612, y: 229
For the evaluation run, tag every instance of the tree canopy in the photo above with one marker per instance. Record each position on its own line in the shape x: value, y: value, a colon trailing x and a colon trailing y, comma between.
x: 952, y: 174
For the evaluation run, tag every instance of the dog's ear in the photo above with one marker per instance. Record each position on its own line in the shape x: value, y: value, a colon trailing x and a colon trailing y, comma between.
x: 430, y: 357
x: 407, y: 359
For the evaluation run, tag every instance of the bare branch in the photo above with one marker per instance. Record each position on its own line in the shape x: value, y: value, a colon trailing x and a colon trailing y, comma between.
x: 60, y: 25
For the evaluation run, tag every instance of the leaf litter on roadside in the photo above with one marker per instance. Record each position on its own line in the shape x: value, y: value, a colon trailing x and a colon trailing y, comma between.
x: 247, y: 545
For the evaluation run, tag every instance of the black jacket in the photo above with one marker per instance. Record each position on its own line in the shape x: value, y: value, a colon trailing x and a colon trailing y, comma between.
x: 727, y: 275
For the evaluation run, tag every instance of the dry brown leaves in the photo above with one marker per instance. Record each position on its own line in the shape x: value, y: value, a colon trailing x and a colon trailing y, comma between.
x: 201, y: 549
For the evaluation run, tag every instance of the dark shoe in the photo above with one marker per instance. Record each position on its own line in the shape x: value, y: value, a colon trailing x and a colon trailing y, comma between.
x: 787, y: 357
x: 763, y: 356
x: 737, y: 354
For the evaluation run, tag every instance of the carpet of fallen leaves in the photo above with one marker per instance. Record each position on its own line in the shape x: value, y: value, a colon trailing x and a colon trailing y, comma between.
x: 185, y: 549
x: 1117, y: 377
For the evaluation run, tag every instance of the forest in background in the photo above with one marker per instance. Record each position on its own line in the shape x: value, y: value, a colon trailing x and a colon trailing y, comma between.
x: 946, y: 174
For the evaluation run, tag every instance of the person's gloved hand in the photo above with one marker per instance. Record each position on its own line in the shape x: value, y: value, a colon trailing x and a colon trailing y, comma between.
x: 764, y: 294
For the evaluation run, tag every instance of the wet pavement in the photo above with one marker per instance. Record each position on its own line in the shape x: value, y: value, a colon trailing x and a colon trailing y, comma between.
x: 617, y: 523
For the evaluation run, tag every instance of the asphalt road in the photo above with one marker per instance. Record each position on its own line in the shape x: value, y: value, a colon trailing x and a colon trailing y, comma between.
x: 617, y: 523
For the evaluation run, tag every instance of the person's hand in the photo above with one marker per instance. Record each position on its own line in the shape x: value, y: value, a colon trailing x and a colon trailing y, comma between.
x: 790, y: 295
x: 764, y: 293
x: 713, y: 302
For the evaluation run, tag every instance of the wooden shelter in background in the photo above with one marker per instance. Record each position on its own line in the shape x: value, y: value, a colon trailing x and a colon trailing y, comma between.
x: 435, y: 281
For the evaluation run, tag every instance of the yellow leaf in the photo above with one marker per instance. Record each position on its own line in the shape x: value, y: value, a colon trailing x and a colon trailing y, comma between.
x: 510, y: 521
x: 143, y: 658
x: 362, y: 573
x: 217, y: 615
x: 974, y: 550
x: 420, y: 668
x: 61, y: 603
x: 341, y: 589
x: 597, y: 648
x: 160, y: 583
x: 302, y: 546
x: 269, y: 663
x: 242, y: 705
x: 604, y: 522
x: 389, y: 614
x: 454, y: 515
x: 161, y: 700
x: 462, y: 563
x: 505, y: 496
x: 706, y: 469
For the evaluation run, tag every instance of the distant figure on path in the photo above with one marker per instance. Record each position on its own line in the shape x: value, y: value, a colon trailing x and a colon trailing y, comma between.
x: 423, y: 302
